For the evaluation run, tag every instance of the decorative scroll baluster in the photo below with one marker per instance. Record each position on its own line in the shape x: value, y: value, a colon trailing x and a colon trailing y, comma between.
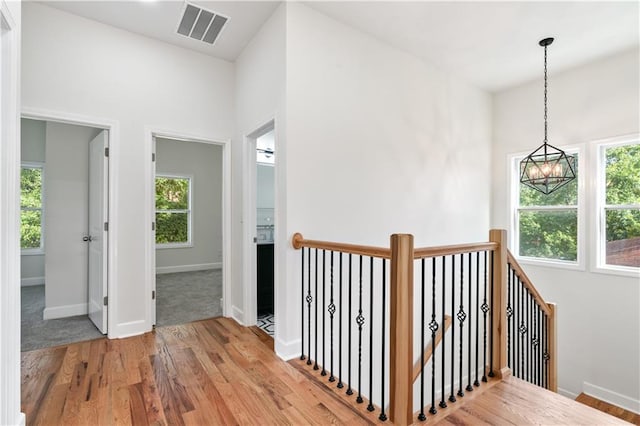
x: 452, y: 397
x: 370, y: 406
x: 530, y: 349
x: 534, y: 343
x: 433, y: 326
x: 546, y: 352
x: 461, y: 317
x: 340, y: 385
x: 523, y: 331
x: 324, y: 296
x: 383, y: 416
x: 309, y: 300
x: 360, y: 322
x: 476, y: 382
x: 509, y: 313
x: 485, y: 309
x: 302, y: 307
x: 349, y: 390
x: 315, y: 364
x: 443, y: 404
x: 421, y: 416
x: 469, y: 327
x: 332, y: 310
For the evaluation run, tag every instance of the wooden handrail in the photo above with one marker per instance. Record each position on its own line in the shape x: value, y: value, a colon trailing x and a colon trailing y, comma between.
x: 526, y: 282
x: 425, y: 252
x: 298, y: 242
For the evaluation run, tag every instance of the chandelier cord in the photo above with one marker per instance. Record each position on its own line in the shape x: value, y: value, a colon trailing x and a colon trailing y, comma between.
x: 545, y: 94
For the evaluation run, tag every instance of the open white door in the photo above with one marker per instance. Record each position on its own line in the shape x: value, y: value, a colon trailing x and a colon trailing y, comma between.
x: 98, y: 226
x: 153, y: 233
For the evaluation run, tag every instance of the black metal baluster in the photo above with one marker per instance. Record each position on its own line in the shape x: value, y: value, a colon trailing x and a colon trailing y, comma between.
x: 433, y: 326
x: 360, y: 322
x: 302, y: 307
x: 349, y: 390
x: 476, y: 382
x: 536, y: 340
x: 485, y: 309
x: 340, y: 385
x: 461, y: 317
x: 324, y: 300
x: 383, y: 416
x: 370, y: 406
x: 545, y: 356
x: 315, y: 364
x: 469, y: 327
x: 530, y: 349
x: 309, y: 300
x: 492, y: 283
x: 522, y: 330
x: 509, y: 312
x: 421, y: 416
x: 452, y: 397
x: 443, y: 404
x: 332, y: 310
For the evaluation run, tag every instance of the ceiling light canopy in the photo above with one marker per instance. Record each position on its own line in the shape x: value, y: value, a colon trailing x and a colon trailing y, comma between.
x: 547, y: 168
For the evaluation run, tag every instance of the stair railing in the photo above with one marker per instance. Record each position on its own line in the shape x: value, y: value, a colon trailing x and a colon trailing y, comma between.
x: 467, y: 306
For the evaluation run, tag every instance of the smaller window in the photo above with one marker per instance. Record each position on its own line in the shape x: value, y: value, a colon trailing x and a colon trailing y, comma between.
x: 619, y: 210
x: 546, y: 227
x: 173, y: 210
x: 31, y: 215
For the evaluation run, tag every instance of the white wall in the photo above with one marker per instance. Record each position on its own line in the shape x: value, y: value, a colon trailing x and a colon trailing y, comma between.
x: 66, y: 219
x: 74, y: 65
x: 32, y: 149
x: 260, y: 97
x: 599, y: 319
x: 203, y: 162
x: 378, y: 142
x: 265, y: 186
x: 10, y: 51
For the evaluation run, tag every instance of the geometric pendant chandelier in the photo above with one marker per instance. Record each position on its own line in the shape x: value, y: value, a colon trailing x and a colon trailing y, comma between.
x: 547, y: 168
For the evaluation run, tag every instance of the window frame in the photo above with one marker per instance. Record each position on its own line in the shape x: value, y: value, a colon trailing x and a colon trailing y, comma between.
x: 599, y: 234
x: 188, y: 211
x: 513, y: 165
x: 40, y: 250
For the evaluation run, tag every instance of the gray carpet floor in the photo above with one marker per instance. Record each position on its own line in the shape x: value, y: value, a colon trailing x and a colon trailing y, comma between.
x: 180, y: 298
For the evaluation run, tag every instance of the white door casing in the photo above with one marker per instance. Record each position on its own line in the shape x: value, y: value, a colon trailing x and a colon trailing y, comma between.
x: 98, y: 222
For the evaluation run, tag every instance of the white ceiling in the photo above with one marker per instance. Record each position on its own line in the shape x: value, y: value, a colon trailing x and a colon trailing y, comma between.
x: 493, y: 45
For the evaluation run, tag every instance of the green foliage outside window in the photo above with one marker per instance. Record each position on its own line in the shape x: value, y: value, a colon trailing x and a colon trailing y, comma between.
x: 550, y: 234
x: 31, y: 208
x: 172, y: 210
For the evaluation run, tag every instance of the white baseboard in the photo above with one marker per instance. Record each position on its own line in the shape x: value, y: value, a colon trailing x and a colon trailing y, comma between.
x: 612, y: 397
x: 287, y: 350
x: 22, y: 419
x: 187, y: 268
x: 27, y: 282
x: 64, y: 311
x: 567, y: 393
x: 237, y: 314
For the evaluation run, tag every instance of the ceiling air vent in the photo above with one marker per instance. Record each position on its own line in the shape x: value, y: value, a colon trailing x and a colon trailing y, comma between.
x: 201, y: 24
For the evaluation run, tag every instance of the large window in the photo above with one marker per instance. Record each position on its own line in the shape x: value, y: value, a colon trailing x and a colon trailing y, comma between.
x: 173, y: 210
x: 31, y: 215
x: 619, y: 204
x: 546, y: 226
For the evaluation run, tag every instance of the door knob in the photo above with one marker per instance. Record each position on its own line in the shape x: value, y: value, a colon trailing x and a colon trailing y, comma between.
x: 86, y: 238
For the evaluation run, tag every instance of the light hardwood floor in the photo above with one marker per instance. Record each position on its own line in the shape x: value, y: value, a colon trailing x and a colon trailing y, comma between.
x: 215, y: 372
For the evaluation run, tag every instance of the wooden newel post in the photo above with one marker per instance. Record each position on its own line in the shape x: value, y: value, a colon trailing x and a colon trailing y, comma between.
x: 553, y: 347
x: 401, y: 330
x: 499, y: 304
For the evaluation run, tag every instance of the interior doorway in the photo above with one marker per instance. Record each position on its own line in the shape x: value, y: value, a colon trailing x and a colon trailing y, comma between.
x: 260, y: 228
x: 188, y: 230
x: 64, y: 232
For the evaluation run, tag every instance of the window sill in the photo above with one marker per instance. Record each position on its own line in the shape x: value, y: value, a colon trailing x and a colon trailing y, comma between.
x: 35, y: 252
x: 623, y: 271
x: 173, y: 246
x: 547, y: 263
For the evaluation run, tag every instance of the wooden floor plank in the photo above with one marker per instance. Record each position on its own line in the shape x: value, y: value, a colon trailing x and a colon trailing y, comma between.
x: 217, y: 372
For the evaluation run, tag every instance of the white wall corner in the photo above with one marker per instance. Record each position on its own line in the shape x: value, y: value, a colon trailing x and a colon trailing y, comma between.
x: 612, y: 397
x: 287, y: 350
x: 567, y: 393
x: 64, y: 311
x: 237, y: 314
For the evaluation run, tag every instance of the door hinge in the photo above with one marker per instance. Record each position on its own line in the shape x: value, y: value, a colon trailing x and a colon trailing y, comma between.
x: 153, y: 156
x: 106, y: 300
x: 153, y: 295
x: 153, y: 226
x: 106, y: 226
x: 106, y: 152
